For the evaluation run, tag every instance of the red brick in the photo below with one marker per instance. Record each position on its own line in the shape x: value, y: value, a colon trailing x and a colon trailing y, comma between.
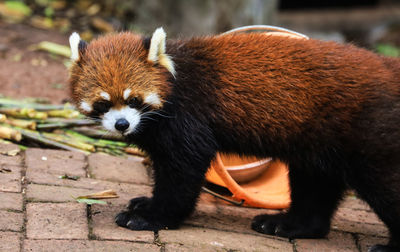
x: 9, y: 241
x: 358, y: 221
x: 354, y: 203
x: 224, y: 217
x: 125, y: 191
x: 361, y: 228
x: 355, y: 215
x: 5, y: 148
x: 85, y: 245
x: 366, y: 241
x: 336, y: 241
x: 178, y: 247
x: 111, y: 168
x: 104, y: 227
x: 11, y: 201
x: 10, y: 221
x: 10, y: 181
x: 211, y: 240
x: 56, y: 162
x: 48, y: 193
x: 56, y: 221
x: 9, y: 160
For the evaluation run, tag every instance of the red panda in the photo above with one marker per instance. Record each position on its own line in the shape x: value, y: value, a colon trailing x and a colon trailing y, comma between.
x: 330, y: 111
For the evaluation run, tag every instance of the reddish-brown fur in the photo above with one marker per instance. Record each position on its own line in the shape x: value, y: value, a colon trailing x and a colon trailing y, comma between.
x: 301, y: 81
x: 113, y: 70
x: 330, y: 111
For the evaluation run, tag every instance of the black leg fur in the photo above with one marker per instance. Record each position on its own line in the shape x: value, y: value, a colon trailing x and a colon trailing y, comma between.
x: 314, y: 199
x: 179, y: 171
x: 383, y: 196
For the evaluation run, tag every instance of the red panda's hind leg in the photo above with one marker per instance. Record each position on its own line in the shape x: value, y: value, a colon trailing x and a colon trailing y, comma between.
x: 315, y: 195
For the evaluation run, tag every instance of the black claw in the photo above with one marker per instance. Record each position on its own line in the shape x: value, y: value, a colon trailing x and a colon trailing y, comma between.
x: 122, y: 218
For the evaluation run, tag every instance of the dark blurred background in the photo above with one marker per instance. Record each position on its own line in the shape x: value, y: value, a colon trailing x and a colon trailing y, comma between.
x: 374, y: 24
x: 363, y: 22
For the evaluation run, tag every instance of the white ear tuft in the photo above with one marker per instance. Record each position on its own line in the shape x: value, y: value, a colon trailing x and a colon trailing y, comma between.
x: 157, y: 51
x: 157, y: 44
x: 74, y: 40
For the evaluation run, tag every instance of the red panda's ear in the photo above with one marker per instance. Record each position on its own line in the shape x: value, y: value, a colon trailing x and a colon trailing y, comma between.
x: 157, y: 51
x: 77, y: 45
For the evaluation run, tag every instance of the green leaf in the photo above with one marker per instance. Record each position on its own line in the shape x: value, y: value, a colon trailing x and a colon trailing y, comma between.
x: 388, y: 50
x: 19, y: 6
x: 91, y: 201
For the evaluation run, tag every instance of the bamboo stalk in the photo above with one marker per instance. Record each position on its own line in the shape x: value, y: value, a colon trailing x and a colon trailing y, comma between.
x: 24, y: 113
x: 96, y: 133
x: 64, y: 113
x: 27, y: 103
x: 36, y: 136
x: 21, y: 123
x: 69, y: 141
x: 52, y: 124
x: 97, y: 142
x: 54, y: 48
x: 9, y: 133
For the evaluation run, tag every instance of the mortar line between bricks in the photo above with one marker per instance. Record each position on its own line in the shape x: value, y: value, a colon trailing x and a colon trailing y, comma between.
x: 157, y: 242
x: 11, y: 231
x: 75, y: 239
x: 357, y: 241
x: 24, y: 185
x: 294, y: 245
x: 87, y: 173
x: 80, y: 187
x: 11, y: 210
x: 236, y: 232
x: 91, y: 236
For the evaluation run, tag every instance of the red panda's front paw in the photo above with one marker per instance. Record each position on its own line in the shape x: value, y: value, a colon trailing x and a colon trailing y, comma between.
x: 133, y: 221
x: 140, y: 204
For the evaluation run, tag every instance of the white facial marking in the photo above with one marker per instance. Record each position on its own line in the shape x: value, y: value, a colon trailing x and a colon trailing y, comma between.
x: 105, y: 96
x: 153, y: 99
x: 86, y: 106
x: 130, y: 114
x: 74, y: 40
x: 127, y: 92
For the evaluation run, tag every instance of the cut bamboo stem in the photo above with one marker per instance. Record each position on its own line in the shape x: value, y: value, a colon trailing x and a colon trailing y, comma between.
x: 21, y: 123
x: 9, y: 133
x: 3, y: 118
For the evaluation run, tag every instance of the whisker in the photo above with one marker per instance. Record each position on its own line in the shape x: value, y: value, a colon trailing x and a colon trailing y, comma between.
x: 147, y: 117
x: 156, y: 113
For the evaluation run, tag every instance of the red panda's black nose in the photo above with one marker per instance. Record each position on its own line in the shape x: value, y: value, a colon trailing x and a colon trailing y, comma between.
x: 121, y: 124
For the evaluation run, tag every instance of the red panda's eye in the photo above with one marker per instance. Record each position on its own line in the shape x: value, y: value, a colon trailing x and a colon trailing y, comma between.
x: 134, y: 102
x: 102, y: 107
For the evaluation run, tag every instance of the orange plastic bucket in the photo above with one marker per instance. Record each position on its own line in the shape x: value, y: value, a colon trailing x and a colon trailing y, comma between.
x: 269, y: 189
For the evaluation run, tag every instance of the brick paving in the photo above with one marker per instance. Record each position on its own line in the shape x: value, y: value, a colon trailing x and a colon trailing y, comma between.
x: 38, y: 212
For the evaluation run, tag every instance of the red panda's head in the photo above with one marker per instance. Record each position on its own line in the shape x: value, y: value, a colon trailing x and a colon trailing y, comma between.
x: 118, y: 78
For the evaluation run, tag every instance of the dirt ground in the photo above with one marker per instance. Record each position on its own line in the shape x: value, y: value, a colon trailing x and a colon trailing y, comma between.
x: 28, y: 73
